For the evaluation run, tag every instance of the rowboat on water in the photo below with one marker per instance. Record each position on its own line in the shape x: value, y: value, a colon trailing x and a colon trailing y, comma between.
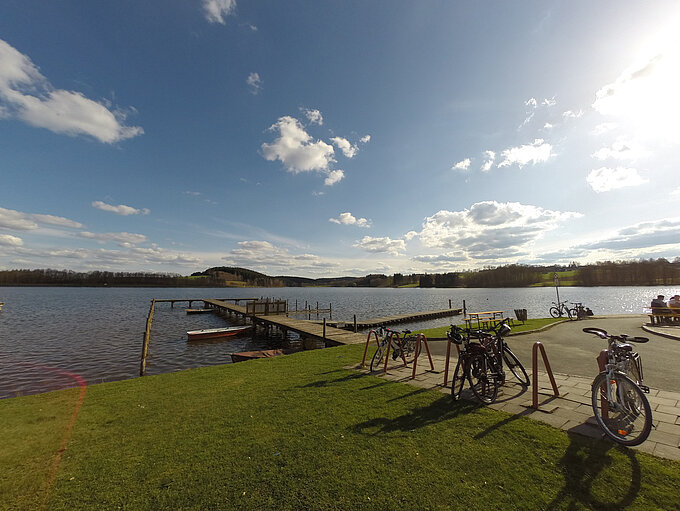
x: 250, y: 355
x: 213, y: 333
x: 198, y: 311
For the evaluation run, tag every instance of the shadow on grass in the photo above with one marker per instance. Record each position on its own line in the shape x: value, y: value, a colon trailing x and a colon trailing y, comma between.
x: 438, y: 411
x: 332, y: 381
x: 583, y: 461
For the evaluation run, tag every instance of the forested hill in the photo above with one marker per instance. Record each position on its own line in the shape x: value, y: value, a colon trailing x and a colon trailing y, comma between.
x: 659, y: 272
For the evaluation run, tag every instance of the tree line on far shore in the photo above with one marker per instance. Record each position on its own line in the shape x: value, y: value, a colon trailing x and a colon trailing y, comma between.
x: 650, y: 272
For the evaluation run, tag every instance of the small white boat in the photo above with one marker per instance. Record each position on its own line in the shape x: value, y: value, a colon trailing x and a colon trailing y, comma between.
x: 213, y: 333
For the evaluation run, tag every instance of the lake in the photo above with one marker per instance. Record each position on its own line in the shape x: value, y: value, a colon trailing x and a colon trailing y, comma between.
x: 48, y: 334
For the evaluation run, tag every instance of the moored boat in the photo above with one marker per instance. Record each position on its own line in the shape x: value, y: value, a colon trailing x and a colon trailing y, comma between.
x: 213, y: 333
x: 250, y: 355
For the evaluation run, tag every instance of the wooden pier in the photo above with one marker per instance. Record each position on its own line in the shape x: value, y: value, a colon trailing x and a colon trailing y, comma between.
x: 398, y: 318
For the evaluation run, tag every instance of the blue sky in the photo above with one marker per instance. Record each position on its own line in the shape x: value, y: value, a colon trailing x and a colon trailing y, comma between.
x: 333, y: 138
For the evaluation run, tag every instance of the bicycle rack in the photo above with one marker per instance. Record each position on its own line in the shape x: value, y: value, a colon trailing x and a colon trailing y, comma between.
x: 448, y: 357
x: 368, y: 341
x: 534, y: 373
x: 389, y: 347
x: 421, y: 339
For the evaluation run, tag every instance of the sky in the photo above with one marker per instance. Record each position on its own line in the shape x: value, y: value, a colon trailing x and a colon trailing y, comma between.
x: 337, y: 138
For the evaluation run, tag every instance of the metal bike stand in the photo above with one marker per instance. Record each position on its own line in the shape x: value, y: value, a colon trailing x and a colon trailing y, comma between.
x: 368, y: 341
x: 534, y: 375
x: 448, y: 358
x: 421, y: 339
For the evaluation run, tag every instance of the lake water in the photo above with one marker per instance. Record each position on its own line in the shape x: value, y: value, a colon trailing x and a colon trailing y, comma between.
x: 49, y: 334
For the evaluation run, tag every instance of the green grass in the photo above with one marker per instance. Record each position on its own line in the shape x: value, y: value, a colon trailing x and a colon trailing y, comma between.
x: 301, y: 432
x: 567, y: 278
x: 529, y: 324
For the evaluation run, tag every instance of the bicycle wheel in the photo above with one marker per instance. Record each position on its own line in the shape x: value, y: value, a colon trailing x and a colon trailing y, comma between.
x: 634, y: 369
x: 573, y: 314
x: 481, y: 374
x: 569, y: 314
x: 408, y: 346
x: 378, y: 356
x: 458, y: 380
x: 515, y: 366
x: 555, y: 312
x: 627, y: 418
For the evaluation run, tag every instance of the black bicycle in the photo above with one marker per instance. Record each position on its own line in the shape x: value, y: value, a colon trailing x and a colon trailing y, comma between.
x: 502, y: 354
x: 403, y: 345
x: 618, y: 394
x: 474, y: 365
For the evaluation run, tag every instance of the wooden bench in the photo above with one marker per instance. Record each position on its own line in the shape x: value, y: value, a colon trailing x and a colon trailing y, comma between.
x: 485, y: 319
x: 664, y: 316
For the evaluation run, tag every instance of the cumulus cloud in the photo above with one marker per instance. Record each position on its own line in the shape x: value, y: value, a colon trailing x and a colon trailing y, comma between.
x: 125, y: 239
x: 263, y: 256
x: 8, y: 240
x: 571, y: 114
x: 365, y: 139
x: 489, y: 228
x: 536, y: 152
x: 379, y: 245
x: 462, y: 165
x: 121, y: 209
x: 619, y: 150
x: 313, y: 115
x: 334, y: 176
x: 254, y: 83
x: 25, y: 94
x: 217, y: 10
x: 606, y: 179
x: 296, y: 149
x: 348, y: 219
x: 12, y: 219
x: 644, y: 235
x: 344, y: 145
x: 489, y: 158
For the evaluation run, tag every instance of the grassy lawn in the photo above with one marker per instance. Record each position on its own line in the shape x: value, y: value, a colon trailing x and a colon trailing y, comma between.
x: 301, y: 432
x: 529, y: 324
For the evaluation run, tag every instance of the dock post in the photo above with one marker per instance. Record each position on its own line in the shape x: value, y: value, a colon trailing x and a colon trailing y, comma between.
x: 464, y: 310
x: 330, y: 311
x: 355, y: 323
x: 324, y: 329
x: 449, y: 303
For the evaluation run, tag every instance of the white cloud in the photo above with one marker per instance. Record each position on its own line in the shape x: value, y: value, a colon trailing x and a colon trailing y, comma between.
x: 344, y: 145
x: 619, y: 150
x: 263, y: 256
x: 348, y: 219
x: 462, y: 165
x: 606, y: 179
x: 571, y: 114
x: 365, y: 139
x: 379, y: 245
x: 125, y: 239
x: 12, y: 219
x: 549, y: 101
x: 490, y: 230
x: 255, y: 83
x: 10, y: 241
x: 676, y: 191
x: 27, y: 95
x: 217, y: 10
x: 313, y: 116
x: 488, y: 163
x: 604, y: 127
x: 548, y: 126
x: 531, y: 102
x: 121, y: 209
x: 334, y: 176
x: 536, y: 152
x: 296, y: 149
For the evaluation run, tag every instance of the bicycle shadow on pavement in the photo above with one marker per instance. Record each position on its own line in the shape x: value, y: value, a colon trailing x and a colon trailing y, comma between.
x: 583, y: 462
x: 438, y: 411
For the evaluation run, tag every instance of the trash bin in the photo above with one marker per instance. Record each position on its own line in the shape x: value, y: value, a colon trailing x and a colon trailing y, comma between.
x: 521, y: 315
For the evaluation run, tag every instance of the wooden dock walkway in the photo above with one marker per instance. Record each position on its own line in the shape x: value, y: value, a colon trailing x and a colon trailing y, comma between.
x: 302, y: 327
x: 333, y: 333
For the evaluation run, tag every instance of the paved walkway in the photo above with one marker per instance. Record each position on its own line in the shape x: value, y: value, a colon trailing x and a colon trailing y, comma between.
x: 571, y: 411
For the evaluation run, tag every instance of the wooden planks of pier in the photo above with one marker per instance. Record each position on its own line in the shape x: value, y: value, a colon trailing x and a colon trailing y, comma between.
x: 325, y: 330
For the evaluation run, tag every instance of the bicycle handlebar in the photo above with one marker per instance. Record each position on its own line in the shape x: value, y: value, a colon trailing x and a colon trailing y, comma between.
x: 602, y: 334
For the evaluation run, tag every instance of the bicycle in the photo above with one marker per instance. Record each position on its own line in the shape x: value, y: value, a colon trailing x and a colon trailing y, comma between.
x: 474, y: 365
x: 560, y: 309
x: 579, y: 312
x: 618, y: 393
x: 501, y: 353
x: 403, y: 347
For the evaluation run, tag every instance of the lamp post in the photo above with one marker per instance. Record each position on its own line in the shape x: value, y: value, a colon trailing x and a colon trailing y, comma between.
x: 556, y: 279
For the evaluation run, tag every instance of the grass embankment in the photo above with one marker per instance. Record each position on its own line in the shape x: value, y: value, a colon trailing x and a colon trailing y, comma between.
x: 529, y: 324
x: 301, y: 432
